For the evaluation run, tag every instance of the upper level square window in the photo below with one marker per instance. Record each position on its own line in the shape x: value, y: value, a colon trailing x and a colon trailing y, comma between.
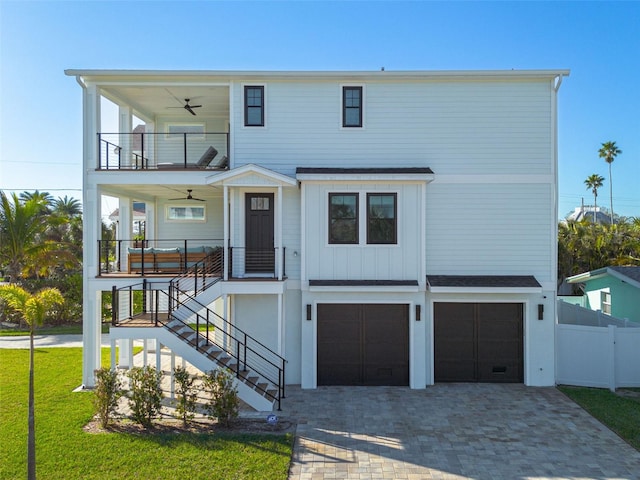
x: 352, y: 106
x: 343, y: 218
x: 381, y: 218
x: 254, y: 106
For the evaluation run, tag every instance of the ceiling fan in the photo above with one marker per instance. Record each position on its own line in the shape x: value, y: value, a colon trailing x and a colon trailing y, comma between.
x: 189, y: 197
x: 186, y: 106
x: 189, y: 108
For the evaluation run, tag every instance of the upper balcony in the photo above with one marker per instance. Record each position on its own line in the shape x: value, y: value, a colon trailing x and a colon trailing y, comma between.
x: 181, y: 125
x: 163, y: 151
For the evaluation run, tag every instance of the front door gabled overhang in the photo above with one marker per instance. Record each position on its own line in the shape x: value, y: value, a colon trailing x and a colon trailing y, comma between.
x: 250, y: 179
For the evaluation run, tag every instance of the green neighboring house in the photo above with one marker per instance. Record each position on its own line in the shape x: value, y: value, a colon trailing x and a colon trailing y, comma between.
x: 613, y: 290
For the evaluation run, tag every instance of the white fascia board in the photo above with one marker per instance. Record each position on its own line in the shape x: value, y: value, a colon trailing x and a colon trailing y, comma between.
x: 366, y: 289
x: 486, y: 290
x: 369, y: 177
x: 585, y: 277
x: 372, y: 74
x: 249, y: 169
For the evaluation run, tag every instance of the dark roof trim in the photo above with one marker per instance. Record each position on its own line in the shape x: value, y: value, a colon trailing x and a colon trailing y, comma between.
x: 360, y: 171
x: 483, y: 281
x: 363, y: 283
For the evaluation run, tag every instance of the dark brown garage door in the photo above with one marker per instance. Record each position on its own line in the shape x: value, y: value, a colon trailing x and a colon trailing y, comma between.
x: 478, y: 342
x: 363, y: 344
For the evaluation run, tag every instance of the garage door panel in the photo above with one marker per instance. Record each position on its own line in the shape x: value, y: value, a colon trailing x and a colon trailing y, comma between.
x: 454, y: 354
x: 480, y: 342
x: 360, y: 344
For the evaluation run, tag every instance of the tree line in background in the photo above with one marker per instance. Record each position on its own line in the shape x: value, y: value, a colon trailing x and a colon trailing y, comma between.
x: 586, y: 245
x: 41, y: 247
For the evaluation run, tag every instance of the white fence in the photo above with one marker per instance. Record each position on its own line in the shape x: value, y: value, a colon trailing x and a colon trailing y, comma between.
x: 572, y: 314
x: 604, y: 357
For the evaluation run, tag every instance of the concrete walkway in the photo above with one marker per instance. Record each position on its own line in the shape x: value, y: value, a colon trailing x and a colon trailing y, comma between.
x: 451, y: 431
x: 48, y: 341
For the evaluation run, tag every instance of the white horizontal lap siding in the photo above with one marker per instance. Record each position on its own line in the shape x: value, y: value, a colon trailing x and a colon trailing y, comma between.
x: 453, y: 127
x: 211, y: 229
x: 490, y: 229
x: 362, y: 261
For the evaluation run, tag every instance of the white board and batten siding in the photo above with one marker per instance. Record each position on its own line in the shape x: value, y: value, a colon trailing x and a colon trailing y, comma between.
x: 455, y: 127
x: 363, y: 261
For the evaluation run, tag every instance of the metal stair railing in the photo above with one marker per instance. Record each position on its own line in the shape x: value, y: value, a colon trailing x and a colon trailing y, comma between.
x: 152, y: 301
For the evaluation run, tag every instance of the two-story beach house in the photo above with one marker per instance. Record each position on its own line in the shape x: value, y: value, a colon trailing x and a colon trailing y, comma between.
x: 326, y: 228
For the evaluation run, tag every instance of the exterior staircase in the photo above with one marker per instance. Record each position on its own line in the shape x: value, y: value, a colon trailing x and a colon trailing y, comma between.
x: 176, y: 315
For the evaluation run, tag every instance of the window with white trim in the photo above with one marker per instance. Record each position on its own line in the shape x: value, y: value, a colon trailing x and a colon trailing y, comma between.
x: 605, y: 302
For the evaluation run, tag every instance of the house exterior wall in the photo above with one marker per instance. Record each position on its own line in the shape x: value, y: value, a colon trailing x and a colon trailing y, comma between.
x: 490, y: 228
x: 455, y: 127
x: 490, y: 208
x: 625, y: 298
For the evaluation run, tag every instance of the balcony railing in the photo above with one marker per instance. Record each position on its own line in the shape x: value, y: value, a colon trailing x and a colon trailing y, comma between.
x: 175, y: 257
x: 158, y: 151
x: 166, y: 257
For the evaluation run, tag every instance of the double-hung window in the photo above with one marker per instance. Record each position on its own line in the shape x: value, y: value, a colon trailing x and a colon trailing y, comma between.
x: 254, y: 106
x: 605, y: 301
x: 352, y: 106
x: 343, y: 218
x: 381, y: 218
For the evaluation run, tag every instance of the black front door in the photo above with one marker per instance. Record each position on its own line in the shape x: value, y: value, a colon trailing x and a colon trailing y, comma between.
x: 259, y: 254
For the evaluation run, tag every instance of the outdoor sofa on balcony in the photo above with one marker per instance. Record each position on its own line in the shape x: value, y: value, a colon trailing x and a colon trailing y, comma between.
x: 170, y: 260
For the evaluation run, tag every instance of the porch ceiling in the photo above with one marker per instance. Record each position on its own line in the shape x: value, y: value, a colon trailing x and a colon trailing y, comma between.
x: 163, y: 192
x: 166, y: 101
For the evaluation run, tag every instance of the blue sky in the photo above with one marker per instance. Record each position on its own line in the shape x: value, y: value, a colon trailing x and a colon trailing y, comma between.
x: 40, y: 107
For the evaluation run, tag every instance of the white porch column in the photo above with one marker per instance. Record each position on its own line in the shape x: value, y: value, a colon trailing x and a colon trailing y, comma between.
x: 225, y: 240
x: 158, y: 356
x: 281, y: 323
x: 172, y: 383
x: 124, y: 129
x: 150, y: 144
x: 150, y: 228
x: 92, y: 230
x: 278, y: 234
x: 125, y: 353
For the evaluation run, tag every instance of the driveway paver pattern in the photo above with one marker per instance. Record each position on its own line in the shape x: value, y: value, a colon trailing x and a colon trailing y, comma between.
x: 451, y: 431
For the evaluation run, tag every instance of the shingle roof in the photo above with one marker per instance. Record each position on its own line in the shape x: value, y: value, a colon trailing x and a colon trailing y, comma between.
x: 632, y: 272
x: 485, y: 281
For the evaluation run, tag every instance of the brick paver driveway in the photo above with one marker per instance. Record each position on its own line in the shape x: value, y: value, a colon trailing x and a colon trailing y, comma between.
x: 451, y: 431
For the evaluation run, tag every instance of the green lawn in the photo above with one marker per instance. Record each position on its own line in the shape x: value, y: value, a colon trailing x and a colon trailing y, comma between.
x: 620, y: 414
x: 64, y: 450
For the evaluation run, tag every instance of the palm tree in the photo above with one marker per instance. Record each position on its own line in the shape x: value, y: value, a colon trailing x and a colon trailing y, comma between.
x: 33, y: 308
x: 609, y: 151
x: 66, y: 207
x: 21, y: 232
x: 593, y: 183
x: 44, y: 199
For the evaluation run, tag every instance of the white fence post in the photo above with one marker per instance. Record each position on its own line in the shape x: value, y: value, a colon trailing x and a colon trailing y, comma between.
x: 612, y: 356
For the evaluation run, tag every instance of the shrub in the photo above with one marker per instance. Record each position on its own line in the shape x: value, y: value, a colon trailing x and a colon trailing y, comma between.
x: 186, y: 395
x: 145, y: 396
x: 224, y: 403
x: 107, y: 392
